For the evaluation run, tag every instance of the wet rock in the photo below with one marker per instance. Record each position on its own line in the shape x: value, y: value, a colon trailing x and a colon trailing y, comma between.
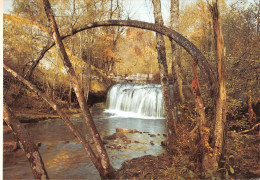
x: 65, y: 142
x: 158, y: 134
x: 152, y: 135
x: 115, y: 136
x: 112, y: 146
x: 127, y: 141
x: 10, y: 146
x: 165, y: 135
x: 115, y: 146
x: 126, y: 130
x: 118, y: 146
x: 164, y: 143
x: 152, y: 143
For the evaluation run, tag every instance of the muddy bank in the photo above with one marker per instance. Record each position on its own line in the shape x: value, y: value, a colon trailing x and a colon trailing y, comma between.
x: 33, y: 116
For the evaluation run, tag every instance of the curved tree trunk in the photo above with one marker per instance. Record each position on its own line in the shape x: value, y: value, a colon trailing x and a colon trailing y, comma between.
x: 163, y: 69
x: 26, y: 143
x: 109, y: 171
x: 173, y: 35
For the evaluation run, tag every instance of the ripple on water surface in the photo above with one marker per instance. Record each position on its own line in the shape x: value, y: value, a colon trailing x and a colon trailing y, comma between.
x: 64, y: 156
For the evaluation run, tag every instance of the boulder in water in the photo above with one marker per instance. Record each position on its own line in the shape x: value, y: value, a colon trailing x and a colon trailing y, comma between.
x: 115, y: 136
x: 126, y: 130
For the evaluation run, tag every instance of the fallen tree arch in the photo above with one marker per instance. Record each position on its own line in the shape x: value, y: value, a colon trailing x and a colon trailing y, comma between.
x: 172, y: 34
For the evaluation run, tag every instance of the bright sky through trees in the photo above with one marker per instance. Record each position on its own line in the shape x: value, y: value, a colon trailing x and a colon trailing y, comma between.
x: 141, y: 10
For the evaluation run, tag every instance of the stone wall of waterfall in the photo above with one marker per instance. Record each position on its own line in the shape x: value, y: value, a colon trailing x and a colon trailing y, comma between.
x: 143, y: 100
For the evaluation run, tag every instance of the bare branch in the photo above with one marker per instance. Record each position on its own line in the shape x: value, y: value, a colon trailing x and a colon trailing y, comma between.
x: 83, y: 141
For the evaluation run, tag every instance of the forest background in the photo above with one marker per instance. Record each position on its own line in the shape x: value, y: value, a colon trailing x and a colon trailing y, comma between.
x: 98, y: 53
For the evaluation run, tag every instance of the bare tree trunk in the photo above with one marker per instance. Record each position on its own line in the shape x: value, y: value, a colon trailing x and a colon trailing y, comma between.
x: 203, y: 128
x: 47, y: 98
x: 258, y: 21
x: 26, y: 143
x: 176, y: 53
x: 70, y: 92
x: 109, y: 171
x: 219, y: 131
x: 88, y: 74
x: 251, y: 117
x: 167, y: 99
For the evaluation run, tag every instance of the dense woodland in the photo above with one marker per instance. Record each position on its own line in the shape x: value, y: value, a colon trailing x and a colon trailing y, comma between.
x: 59, y: 57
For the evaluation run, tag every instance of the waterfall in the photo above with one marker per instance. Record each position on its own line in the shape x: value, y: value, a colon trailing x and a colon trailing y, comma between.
x: 135, y: 100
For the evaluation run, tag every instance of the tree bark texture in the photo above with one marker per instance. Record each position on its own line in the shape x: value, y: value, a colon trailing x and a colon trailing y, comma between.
x: 108, y: 170
x: 64, y: 117
x: 251, y: 117
x: 176, y: 53
x: 26, y: 143
x: 204, y: 131
x: 220, y: 122
x: 164, y: 78
x: 172, y: 34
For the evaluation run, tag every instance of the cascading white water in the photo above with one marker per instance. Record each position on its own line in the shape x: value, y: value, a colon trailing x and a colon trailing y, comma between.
x: 134, y: 99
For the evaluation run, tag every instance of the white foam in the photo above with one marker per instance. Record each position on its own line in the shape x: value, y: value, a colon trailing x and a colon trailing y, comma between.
x: 124, y: 114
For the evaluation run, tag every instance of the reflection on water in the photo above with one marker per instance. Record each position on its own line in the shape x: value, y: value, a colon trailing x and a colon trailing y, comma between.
x: 65, y: 158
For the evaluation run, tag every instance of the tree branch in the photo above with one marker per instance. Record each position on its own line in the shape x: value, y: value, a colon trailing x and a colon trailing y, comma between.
x: 60, y: 112
x: 32, y: 153
x: 249, y: 130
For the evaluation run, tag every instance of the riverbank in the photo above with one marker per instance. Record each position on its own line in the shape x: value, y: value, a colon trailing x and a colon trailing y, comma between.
x: 241, y: 160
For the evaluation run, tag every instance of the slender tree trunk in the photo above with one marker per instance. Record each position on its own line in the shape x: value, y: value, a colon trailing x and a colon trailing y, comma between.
x: 251, y: 117
x: 26, y: 143
x: 258, y: 21
x: 167, y: 100
x: 64, y: 117
x: 70, y: 93
x: 109, y: 171
x: 204, y: 131
x: 176, y: 53
x: 220, y: 122
x: 88, y: 68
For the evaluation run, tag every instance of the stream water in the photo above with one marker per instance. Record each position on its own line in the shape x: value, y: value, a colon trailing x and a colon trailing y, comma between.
x: 64, y: 156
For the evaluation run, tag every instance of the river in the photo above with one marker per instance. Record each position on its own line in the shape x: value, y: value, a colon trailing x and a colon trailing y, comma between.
x: 64, y: 156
